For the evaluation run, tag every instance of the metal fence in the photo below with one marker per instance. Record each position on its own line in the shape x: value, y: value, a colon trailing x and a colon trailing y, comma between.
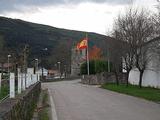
x: 16, y: 84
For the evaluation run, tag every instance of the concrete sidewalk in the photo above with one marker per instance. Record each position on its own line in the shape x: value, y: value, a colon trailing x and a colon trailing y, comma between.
x: 74, y: 101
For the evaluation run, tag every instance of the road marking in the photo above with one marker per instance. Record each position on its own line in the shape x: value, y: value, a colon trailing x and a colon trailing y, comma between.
x: 53, y: 109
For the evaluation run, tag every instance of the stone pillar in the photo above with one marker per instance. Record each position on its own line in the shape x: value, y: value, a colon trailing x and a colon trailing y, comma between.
x: 12, y: 85
x: 29, y: 79
x: 19, y: 83
x: 23, y: 82
x: 34, y: 78
x: 38, y: 77
x: 27, y: 83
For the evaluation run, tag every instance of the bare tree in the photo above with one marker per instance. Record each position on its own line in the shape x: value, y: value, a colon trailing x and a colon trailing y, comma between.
x: 116, y: 58
x: 134, y: 28
x: 63, y: 56
x: 3, y: 53
x: 122, y: 33
x: 156, y: 18
x: 144, y: 31
x: 125, y: 48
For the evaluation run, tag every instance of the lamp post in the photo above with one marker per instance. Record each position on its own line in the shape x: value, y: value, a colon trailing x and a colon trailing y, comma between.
x: 42, y: 55
x: 65, y: 71
x: 36, y: 64
x: 59, y: 65
x: 55, y: 65
x: 8, y: 63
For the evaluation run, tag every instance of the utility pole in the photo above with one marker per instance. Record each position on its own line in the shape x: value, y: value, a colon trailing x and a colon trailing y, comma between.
x: 108, y: 59
x: 8, y: 64
x: 59, y: 65
x: 87, y: 54
x: 25, y: 55
x: 65, y: 71
x: 36, y: 65
x: 42, y: 55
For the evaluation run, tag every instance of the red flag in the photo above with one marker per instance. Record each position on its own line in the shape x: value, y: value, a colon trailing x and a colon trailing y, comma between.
x: 82, y: 44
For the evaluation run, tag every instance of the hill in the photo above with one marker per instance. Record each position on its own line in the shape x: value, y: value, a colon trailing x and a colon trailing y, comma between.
x: 44, y: 41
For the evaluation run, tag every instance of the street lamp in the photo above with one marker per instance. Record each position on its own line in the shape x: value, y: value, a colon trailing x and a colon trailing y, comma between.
x: 59, y: 65
x: 8, y: 63
x: 36, y: 64
x: 65, y: 71
x: 43, y: 50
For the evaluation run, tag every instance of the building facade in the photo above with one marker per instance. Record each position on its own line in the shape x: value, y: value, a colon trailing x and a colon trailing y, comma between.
x: 77, y: 58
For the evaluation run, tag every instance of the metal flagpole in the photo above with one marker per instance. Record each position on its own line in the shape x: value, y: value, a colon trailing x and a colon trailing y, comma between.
x: 87, y: 55
x: 109, y: 64
x: 108, y: 59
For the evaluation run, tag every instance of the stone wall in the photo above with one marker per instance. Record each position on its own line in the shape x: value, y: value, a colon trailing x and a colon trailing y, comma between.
x: 5, y: 82
x: 102, y: 78
x: 21, y: 107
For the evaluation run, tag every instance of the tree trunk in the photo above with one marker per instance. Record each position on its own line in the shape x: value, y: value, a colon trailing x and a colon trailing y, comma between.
x: 140, y: 78
x: 2, y: 68
x: 127, y: 79
x: 16, y: 73
x: 42, y: 74
x: 117, y: 79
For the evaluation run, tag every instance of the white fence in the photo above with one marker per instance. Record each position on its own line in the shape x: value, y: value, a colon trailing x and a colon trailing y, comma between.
x: 24, y: 82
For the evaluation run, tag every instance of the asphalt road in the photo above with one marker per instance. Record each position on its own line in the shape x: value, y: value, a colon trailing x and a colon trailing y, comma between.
x: 71, y: 100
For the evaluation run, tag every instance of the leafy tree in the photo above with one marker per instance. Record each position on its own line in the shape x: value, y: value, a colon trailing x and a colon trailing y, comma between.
x: 95, y: 53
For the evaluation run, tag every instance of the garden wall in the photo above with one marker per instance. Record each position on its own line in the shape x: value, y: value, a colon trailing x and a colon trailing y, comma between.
x: 22, y: 106
x: 102, y: 78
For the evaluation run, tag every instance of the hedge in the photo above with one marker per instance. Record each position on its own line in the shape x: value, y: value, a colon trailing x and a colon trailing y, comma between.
x: 95, y: 66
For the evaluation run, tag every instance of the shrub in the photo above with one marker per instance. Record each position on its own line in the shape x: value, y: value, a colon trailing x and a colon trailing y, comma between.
x: 95, y: 66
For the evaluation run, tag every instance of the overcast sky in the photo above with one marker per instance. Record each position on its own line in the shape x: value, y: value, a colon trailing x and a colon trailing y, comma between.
x: 84, y: 15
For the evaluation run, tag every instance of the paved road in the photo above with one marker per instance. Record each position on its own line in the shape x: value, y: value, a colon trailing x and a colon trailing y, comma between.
x: 74, y: 101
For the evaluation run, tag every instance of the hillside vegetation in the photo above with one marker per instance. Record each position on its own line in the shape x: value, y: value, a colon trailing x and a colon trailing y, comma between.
x: 17, y: 33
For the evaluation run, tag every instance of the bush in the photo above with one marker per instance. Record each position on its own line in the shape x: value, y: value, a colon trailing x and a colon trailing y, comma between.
x: 95, y: 66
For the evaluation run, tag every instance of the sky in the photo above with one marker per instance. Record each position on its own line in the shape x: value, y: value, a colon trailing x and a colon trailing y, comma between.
x: 83, y: 15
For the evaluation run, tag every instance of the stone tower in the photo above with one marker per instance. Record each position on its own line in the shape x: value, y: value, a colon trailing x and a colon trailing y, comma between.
x: 77, y: 58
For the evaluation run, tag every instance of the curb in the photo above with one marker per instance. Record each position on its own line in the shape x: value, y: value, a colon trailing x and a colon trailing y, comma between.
x: 53, y: 109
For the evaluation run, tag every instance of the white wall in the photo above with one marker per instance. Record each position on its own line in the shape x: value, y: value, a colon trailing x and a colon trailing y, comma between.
x: 134, y: 77
x: 30, y: 70
x: 45, y: 72
x: 150, y: 78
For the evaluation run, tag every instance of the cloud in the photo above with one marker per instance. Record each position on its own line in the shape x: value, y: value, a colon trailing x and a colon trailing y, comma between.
x: 23, y: 5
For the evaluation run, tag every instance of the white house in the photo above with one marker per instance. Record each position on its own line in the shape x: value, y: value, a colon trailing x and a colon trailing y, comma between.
x: 45, y: 72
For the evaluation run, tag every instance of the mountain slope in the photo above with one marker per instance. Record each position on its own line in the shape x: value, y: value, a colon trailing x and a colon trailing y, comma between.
x: 17, y: 33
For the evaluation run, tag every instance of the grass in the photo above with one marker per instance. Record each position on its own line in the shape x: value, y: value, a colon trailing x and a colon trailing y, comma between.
x: 4, y: 91
x: 147, y: 93
x: 44, y: 113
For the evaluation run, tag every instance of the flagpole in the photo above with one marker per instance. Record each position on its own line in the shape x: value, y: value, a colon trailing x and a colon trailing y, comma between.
x: 87, y: 54
x: 108, y: 54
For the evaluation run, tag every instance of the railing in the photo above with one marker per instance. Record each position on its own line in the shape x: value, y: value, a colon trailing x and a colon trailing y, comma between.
x: 16, y: 84
x: 4, y: 87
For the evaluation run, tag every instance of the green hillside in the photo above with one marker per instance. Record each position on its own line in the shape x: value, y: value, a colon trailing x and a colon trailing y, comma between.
x: 17, y: 33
